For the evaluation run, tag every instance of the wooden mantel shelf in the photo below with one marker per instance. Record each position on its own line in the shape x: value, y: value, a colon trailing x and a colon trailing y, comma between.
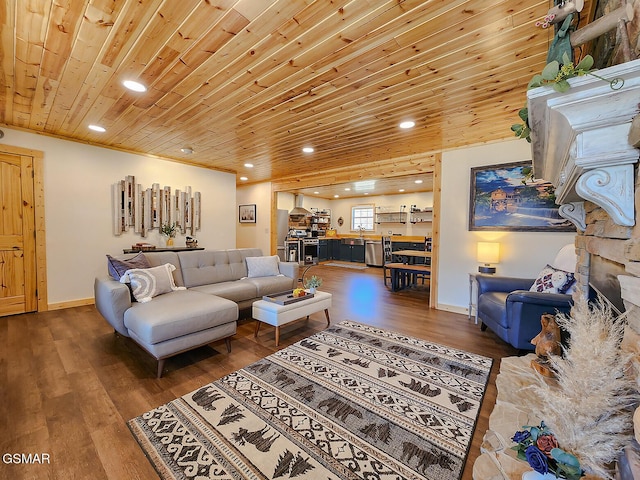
x: 580, y: 142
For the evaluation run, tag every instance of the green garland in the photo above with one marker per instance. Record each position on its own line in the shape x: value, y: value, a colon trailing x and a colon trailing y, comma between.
x: 556, y: 75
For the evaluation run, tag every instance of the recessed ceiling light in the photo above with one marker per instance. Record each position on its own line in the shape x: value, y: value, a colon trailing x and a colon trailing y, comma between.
x: 187, y: 150
x: 308, y: 149
x: 408, y: 124
x: 347, y: 189
x: 134, y: 86
x: 244, y: 179
x: 418, y: 181
x: 248, y: 165
x: 366, y: 193
x: 97, y: 128
x: 336, y: 196
x: 316, y: 193
x: 401, y: 190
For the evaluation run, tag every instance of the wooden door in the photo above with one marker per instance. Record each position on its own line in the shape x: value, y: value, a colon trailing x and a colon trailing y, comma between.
x: 18, y: 292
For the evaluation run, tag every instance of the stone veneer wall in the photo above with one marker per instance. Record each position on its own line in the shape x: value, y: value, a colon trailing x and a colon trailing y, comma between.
x: 620, y: 245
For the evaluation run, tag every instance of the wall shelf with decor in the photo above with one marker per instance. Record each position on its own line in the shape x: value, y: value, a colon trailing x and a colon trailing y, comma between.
x: 424, y: 215
x: 320, y: 221
x: 386, y: 216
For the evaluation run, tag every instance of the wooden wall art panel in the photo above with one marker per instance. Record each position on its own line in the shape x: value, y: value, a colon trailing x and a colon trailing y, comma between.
x: 147, y: 209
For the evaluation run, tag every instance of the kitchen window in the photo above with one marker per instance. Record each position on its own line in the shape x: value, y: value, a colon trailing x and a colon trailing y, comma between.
x: 362, y: 218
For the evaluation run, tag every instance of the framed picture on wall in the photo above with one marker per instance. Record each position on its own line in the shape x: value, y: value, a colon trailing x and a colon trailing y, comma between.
x: 506, y: 197
x: 247, y: 213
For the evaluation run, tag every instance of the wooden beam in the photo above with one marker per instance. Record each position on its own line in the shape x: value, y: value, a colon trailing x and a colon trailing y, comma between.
x: 435, y: 229
x: 602, y: 25
x: 424, y: 163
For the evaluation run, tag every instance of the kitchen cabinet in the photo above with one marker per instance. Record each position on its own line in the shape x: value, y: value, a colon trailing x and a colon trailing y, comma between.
x: 334, y: 249
x: 352, y: 253
x: 323, y: 250
x: 328, y: 249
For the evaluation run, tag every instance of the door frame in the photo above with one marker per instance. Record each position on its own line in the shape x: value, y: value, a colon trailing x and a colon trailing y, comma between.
x: 38, y: 205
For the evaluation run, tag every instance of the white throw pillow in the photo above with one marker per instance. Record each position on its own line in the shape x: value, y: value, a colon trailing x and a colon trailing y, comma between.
x: 147, y: 283
x: 262, y: 266
x: 566, y: 259
x: 553, y: 280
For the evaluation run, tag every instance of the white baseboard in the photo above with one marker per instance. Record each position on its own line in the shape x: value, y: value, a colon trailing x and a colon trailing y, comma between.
x: 73, y: 303
x: 452, y: 308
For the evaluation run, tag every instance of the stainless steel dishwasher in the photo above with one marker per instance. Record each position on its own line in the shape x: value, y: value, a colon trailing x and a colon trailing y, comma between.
x: 373, y: 253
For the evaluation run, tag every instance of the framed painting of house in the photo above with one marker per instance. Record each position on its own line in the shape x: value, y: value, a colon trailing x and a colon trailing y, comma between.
x: 247, y: 213
x: 506, y: 197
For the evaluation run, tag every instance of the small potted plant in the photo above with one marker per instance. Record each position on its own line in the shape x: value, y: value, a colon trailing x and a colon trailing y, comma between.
x: 313, y: 283
x: 169, y: 231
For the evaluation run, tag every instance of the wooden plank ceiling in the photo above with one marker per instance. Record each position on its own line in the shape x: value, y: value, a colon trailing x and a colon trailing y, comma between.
x: 253, y: 81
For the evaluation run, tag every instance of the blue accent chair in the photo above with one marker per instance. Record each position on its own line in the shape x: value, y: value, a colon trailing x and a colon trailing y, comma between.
x: 511, y: 311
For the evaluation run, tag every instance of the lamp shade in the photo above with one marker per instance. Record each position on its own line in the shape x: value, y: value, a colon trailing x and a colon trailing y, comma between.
x: 488, y: 253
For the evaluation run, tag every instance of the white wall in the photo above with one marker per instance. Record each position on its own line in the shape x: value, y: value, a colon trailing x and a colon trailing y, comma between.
x: 522, y: 254
x: 255, y: 235
x: 78, y: 179
x: 77, y: 192
x: 342, y: 208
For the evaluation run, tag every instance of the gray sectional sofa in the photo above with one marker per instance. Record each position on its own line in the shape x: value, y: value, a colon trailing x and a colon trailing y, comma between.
x: 202, y: 299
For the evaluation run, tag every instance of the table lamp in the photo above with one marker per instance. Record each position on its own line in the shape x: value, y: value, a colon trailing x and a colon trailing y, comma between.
x: 488, y: 253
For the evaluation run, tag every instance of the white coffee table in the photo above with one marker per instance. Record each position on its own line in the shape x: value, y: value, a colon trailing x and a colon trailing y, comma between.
x: 277, y: 315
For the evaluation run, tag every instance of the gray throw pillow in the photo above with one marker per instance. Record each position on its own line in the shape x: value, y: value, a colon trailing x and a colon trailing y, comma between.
x: 118, y: 267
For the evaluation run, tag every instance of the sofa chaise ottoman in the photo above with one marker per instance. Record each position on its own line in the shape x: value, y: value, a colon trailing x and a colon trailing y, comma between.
x: 186, y: 299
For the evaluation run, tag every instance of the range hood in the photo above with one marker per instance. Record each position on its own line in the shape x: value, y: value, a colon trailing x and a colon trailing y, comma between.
x: 299, y: 210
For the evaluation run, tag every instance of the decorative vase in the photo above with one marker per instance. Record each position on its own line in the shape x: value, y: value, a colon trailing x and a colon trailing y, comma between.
x: 312, y: 290
x: 167, y: 241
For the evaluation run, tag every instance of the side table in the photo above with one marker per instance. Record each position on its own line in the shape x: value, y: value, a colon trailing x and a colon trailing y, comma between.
x: 473, y: 296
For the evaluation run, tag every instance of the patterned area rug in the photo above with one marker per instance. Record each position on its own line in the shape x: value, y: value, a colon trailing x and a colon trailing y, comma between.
x: 345, y: 265
x: 351, y: 402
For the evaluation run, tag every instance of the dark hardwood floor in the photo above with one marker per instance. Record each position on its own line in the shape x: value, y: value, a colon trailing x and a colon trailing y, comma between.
x: 68, y: 384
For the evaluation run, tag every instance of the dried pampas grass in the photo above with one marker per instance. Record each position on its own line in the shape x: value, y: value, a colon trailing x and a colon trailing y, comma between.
x: 590, y: 409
